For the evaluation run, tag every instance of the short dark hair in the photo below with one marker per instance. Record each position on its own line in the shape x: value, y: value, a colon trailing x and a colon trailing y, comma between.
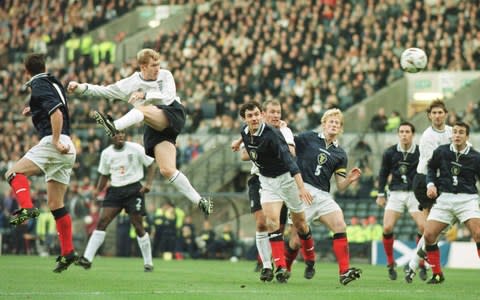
x: 464, y: 125
x: 437, y: 103
x: 35, y: 63
x: 249, y: 106
x: 405, y: 123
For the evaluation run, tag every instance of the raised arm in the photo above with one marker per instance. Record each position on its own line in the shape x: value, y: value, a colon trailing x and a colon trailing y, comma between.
x: 112, y: 91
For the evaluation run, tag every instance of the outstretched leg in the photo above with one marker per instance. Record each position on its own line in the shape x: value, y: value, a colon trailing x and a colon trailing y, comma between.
x: 165, y: 156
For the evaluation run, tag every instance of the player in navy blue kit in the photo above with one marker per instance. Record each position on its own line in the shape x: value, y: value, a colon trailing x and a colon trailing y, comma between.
x: 400, y: 164
x: 452, y: 175
x: 280, y: 180
x: 272, y: 111
x: 319, y: 157
x: 53, y: 156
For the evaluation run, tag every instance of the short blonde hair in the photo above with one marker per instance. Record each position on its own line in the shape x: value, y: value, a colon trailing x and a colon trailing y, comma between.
x: 333, y: 112
x: 144, y: 56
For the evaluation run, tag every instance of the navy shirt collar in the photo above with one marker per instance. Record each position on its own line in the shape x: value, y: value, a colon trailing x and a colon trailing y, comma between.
x: 259, y: 130
x: 39, y: 75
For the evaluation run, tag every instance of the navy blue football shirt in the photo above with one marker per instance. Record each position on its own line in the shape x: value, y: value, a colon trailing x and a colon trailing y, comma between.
x: 47, y: 96
x: 269, y: 151
x: 317, y: 161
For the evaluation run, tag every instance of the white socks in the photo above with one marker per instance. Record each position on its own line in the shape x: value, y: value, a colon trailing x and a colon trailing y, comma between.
x: 146, y: 248
x: 94, y: 242
x: 97, y: 238
x: 180, y: 181
x: 134, y: 116
x: 264, y: 248
x: 415, y: 261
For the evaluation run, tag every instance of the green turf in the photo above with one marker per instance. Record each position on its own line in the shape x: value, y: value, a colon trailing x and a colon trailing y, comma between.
x: 31, y: 277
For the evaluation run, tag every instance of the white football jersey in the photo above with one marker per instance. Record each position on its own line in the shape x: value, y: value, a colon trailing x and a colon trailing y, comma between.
x: 160, y: 91
x: 430, y: 140
x: 125, y: 166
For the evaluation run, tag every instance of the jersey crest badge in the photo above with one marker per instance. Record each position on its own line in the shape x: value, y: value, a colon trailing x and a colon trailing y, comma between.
x: 322, y: 158
x: 253, y: 154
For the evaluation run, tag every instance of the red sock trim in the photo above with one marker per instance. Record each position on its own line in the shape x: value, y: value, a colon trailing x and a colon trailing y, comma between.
x: 278, y: 253
x: 64, y: 229
x: 290, y: 256
x: 21, y: 188
x: 308, y: 249
x: 388, y: 247
x: 434, y: 260
x: 340, y: 249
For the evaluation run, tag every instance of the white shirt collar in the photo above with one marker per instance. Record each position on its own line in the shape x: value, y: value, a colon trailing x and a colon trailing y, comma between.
x: 464, y: 151
x: 322, y: 136
x: 258, y: 132
x: 410, y: 150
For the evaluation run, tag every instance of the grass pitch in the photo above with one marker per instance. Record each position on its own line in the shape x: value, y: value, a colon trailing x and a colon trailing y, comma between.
x: 31, y: 277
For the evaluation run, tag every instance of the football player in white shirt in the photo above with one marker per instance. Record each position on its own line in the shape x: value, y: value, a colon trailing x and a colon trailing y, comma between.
x: 435, y: 135
x: 123, y: 162
x: 152, y: 91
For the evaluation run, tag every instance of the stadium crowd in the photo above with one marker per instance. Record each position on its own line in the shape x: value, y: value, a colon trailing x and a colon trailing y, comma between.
x: 310, y: 55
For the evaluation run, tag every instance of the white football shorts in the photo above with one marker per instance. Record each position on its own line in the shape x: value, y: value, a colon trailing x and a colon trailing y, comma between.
x: 448, y: 206
x: 399, y: 200
x: 55, y: 166
x: 323, y: 203
x: 281, y: 188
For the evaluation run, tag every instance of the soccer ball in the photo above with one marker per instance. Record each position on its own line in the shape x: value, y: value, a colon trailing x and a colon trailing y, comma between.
x: 413, y: 60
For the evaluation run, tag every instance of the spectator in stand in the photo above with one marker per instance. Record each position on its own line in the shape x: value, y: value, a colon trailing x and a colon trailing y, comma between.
x: 379, y: 121
x: 225, y: 245
x: 393, y: 121
x: 375, y: 230
x: 186, y: 246
x: 207, y: 240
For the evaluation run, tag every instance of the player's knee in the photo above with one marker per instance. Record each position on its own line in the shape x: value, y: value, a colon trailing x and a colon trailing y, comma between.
x: 261, y: 225
x: 388, y: 228
x: 167, y: 172
x: 272, y: 224
x: 339, y: 226
x: 139, y: 230
x: 430, y: 237
x: 421, y: 227
x: 476, y: 235
x: 294, y: 242
x: 103, y: 223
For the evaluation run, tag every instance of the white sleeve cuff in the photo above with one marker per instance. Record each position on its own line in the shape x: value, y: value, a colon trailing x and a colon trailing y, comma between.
x: 430, y: 184
x: 83, y: 87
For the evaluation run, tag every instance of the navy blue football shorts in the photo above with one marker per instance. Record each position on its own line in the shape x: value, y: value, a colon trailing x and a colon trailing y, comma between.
x: 175, y: 114
x: 127, y: 197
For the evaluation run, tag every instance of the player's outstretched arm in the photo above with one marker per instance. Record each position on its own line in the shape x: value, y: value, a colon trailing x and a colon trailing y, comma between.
x: 343, y: 182
x: 111, y: 91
